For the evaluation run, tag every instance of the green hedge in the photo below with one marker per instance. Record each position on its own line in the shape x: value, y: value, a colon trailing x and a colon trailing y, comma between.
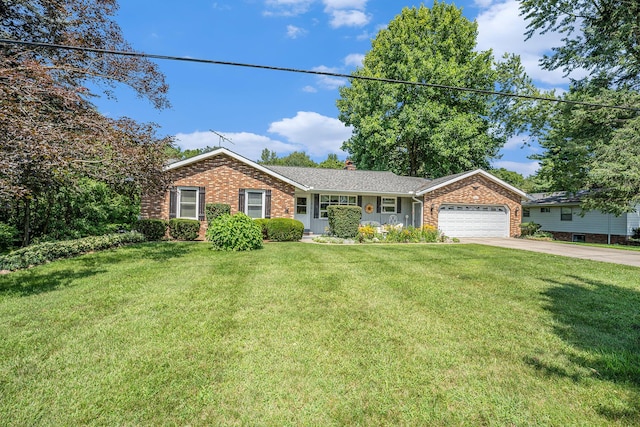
x: 51, y: 251
x: 344, y: 220
x: 262, y: 222
x: 152, y: 229
x: 529, y: 228
x: 184, y: 229
x: 214, y: 210
x: 234, y: 233
x: 284, y: 229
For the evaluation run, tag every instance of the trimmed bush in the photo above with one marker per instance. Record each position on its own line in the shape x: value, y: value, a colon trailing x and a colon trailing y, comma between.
x: 529, y: 228
x: 262, y: 222
x: 284, y: 230
x: 430, y: 234
x: 51, y: 251
x: 184, y: 229
x: 7, y: 234
x: 234, y: 233
x: 344, y: 220
x: 214, y: 210
x: 153, y: 229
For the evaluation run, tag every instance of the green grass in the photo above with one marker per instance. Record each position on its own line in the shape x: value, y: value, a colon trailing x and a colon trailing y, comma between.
x: 302, y: 334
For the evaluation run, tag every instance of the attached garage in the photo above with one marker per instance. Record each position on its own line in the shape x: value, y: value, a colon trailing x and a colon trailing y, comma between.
x: 473, y: 220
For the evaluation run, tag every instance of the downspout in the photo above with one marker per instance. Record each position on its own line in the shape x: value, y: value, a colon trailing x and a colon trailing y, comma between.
x: 608, y: 229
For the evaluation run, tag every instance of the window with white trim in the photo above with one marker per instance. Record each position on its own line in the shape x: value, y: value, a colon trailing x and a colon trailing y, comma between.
x: 566, y: 214
x: 545, y: 210
x: 526, y: 213
x: 327, y: 200
x: 187, y: 202
x: 254, y: 203
x: 388, y: 205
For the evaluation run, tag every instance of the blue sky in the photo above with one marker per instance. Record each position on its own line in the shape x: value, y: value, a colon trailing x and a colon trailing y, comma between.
x: 281, y: 111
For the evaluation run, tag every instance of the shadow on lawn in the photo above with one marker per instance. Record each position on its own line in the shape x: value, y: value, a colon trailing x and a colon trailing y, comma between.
x: 602, y: 322
x: 36, y: 281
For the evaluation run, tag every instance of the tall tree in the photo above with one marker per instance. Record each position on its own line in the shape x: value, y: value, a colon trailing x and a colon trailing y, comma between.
x: 593, y: 148
x: 426, y: 131
x: 331, y: 162
x: 51, y: 137
x: 297, y: 158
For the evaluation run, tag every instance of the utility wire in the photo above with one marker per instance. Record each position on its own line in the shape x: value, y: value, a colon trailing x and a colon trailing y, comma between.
x: 314, y: 72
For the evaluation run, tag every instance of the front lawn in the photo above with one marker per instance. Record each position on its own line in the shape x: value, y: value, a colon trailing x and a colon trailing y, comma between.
x: 302, y: 334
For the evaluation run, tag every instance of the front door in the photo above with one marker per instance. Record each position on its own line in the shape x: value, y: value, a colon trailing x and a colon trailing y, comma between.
x: 303, y: 211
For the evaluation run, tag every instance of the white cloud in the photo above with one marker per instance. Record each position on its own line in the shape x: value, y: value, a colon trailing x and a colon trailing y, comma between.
x: 316, y: 134
x: 349, y: 18
x: 294, y: 32
x: 329, y: 82
x: 344, y: 4
x: 354, y: 60
x: 501, y: 28
x: 249, y: 145
x: 524, y: 168
x: 309, y: 89
x: 516, y: 142
x: 287, y: 7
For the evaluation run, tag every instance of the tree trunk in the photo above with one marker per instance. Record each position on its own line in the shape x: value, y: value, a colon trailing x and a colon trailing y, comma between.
x: 26, y: 237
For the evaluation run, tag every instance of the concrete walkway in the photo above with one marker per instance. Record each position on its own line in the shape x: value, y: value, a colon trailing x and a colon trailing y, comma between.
x: 616, y: 256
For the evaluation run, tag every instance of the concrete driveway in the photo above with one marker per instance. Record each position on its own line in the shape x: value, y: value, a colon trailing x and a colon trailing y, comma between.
x: 616, y: 256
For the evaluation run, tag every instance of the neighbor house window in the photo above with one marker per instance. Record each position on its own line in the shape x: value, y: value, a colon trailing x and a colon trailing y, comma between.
x: 526, y: 213
x: 545, y: 210
x: 578, y: 238
x: 388, y: 205
x: 187, y: 203
x: 566, y: 214
x: 327, y: 200
x: 255, y: 204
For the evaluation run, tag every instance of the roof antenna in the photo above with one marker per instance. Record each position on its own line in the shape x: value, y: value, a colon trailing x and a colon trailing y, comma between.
x: 221, y: 138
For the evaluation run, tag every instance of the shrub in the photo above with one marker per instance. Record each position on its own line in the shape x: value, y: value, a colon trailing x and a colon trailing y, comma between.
x: 7, y: 234
x: 285, y: 230
x: 153, y: 229
x: 184, y: 229
x: 51, y: 251
x: 366, y: 232
x: 636, y: 233
x: 344, y: 220
x: 234, y: 233
x: 529, y: 228
x: 262, y: 222
x: 430, y: 234
x: 214, y: 210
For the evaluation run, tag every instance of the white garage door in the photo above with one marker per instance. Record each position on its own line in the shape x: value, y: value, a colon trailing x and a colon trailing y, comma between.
x: 473, y: 221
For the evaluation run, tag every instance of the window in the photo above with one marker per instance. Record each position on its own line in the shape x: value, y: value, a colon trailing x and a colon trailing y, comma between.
x: 187, y: 203
x: 254, y: 204
x: 578, y: 238
x: 526, y: 213
x: 301, y: 205
x: 545, y: 210
x: 327, y: 200
x: 566, y: 214
x: 388, y: 205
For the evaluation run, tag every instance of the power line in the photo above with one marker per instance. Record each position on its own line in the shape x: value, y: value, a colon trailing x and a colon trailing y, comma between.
x: 313, y: 72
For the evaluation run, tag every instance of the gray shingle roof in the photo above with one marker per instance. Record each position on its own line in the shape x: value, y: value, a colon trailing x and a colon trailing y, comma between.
x: 556, y: 198
x: 351, y: 181
x: 435, y: 182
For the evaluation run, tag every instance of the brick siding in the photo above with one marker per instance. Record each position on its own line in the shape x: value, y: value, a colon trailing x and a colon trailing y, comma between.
x: 590, y: 237
x: 474, y: 190
x: 222, y: 176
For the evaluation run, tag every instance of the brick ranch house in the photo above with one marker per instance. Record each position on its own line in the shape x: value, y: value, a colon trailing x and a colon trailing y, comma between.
x: 469, y: 204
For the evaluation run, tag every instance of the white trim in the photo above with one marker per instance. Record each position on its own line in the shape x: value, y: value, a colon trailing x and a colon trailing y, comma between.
x: 238, y: 157
x: 475, y: 172
x: 179, y: 202
x: 383, y: 205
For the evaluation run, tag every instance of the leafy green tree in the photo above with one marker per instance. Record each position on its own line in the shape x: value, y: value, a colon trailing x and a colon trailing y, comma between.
x: 331, y: 162
x: 268, y: 157
x: 426, y: 131
x: 510, y: 177
x: 297, y: 158
x: 600, y: 36
x: 174, y: 153
x: 593, y: 148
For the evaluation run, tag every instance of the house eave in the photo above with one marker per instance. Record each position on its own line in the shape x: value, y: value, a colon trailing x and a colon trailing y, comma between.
x: 476, y: 172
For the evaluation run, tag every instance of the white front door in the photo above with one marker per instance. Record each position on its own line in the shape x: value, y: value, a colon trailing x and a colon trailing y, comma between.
x: 303, y: 211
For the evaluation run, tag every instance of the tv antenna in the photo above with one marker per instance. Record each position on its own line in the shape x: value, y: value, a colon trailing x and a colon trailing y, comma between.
x: 221, y: 138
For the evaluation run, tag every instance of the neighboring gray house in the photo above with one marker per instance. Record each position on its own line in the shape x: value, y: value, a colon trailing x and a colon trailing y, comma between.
x: 560, y: 214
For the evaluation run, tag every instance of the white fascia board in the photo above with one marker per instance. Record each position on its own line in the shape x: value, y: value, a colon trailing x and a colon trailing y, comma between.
x: 361, y: 193
x: 241, y: 159
x: 483, y: 173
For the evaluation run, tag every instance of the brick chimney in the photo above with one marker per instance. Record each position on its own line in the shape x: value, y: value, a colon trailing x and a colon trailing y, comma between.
x: 348, y: 165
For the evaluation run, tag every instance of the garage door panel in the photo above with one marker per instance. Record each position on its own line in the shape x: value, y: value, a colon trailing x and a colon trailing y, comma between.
x: 473, y: 221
